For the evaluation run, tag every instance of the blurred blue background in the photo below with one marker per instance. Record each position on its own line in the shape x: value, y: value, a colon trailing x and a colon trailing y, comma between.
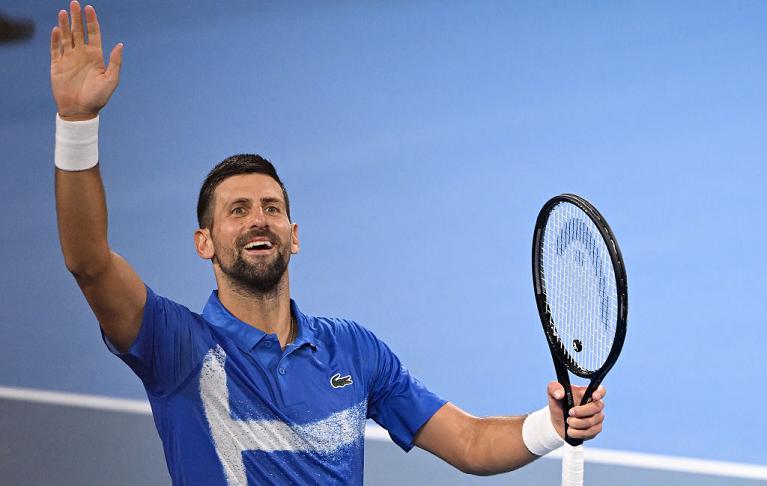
x: 417, y: 141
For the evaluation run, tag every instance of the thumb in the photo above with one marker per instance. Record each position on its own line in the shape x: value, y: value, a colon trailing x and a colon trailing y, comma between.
x: 115, y: 62
x: 555, y: 393
x: 555, y: 390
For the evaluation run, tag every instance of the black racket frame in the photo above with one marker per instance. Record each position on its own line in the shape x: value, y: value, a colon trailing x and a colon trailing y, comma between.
x: 562, y: 361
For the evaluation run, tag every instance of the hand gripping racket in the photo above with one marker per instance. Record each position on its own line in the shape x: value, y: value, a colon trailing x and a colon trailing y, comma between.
x: 580, y: 289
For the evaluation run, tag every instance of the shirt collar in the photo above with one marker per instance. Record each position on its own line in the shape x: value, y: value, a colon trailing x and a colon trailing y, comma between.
x: 306, y: 328
x: 247, y: 336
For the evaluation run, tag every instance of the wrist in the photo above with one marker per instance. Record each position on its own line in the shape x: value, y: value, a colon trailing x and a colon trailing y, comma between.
x: 76, y: 143
x: 538, y: 433
x: 79, y: 117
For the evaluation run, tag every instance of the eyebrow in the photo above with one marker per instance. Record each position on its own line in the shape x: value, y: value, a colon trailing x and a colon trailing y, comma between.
x: 249, y: 201
x: 272, y: 200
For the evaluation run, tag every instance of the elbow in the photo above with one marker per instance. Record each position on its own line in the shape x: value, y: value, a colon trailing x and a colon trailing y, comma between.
x: 85, y: 270
x: 85, y: 257
x: 85, y: 276
x: 474, y: 469
x: 483, y: 455
x: 480, y: 470
x: 466, y: 466
x: 470, y: 461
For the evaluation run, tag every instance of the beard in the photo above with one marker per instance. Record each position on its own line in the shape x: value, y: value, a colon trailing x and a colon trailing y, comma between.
x: 260, y: 277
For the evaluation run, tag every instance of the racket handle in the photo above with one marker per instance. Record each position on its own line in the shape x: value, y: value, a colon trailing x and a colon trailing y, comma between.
x: 572, y: 466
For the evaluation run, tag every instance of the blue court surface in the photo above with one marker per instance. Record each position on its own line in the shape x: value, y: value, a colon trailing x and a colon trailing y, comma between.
x: 417, y: 141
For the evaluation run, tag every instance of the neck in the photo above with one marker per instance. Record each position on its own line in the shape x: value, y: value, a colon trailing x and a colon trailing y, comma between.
x: 268, y: 311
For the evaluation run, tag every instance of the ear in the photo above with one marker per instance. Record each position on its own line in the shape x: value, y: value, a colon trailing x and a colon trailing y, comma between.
x: 204, y: 244
x: 295, y: 245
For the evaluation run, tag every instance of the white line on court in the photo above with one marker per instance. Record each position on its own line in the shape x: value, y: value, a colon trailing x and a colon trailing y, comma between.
x: 374, y: 432
x: 76, y: 400
x: 670, y: 463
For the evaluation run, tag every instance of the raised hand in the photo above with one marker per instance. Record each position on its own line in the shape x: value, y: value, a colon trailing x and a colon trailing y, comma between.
x: 80, y: 81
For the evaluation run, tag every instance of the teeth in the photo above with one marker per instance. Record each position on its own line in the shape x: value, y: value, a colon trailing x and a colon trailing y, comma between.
x: 258, y: 244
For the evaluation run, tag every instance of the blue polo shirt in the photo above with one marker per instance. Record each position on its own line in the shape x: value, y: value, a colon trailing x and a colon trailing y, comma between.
x: 233, y: 408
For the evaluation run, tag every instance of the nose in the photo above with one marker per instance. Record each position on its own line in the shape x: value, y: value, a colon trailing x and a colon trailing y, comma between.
x: 258, y: 219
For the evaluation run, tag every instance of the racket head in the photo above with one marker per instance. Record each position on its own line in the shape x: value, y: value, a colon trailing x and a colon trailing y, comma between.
x: 580, y: 286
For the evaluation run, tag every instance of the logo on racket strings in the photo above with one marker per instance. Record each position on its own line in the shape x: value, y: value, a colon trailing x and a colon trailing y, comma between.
x: 587, y: 251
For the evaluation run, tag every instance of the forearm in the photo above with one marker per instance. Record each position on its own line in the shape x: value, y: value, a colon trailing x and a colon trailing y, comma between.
x: 500, y: 444
x: 497, y: 446
x: 490, y: 445
x: 81, y: 210
x: 82, y: 220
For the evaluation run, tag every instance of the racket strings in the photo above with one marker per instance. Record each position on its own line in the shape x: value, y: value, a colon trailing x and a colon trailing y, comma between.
x: 580, y: 287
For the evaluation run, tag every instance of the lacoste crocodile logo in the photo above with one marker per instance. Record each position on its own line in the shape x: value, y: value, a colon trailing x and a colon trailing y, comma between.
x: 338, y: 381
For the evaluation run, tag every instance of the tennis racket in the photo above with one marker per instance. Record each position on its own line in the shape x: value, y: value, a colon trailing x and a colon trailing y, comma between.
x: 580, y: 289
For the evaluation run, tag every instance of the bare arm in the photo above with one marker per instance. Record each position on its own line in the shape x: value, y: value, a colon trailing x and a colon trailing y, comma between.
x: 81, y: 87
x: 493, y: 445
x: 475, y: 445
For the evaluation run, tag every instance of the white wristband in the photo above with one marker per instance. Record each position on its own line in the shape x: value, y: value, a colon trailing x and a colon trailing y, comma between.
x: 538, y: 433
x: 77, y: 144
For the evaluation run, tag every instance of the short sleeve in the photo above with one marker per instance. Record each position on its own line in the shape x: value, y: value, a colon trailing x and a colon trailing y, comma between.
x: 398, y: 401
x: 170, y: 344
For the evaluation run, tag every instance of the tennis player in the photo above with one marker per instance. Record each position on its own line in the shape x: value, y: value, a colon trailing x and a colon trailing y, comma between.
x: 253, y: 390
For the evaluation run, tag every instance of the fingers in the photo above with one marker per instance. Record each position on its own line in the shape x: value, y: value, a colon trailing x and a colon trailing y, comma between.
x: 585, y: 431
x: 599, y: 393
x: 585, y: 427
x: 55, y: 44
x: 585, y: 421
x: 115, y: 63
x: 579, y: 391
x: 78, y: 35
x: 588, y: 410
x: 66, y: 34
x: 94, y: 31
x: 69, y: 35
x: 556, y: 391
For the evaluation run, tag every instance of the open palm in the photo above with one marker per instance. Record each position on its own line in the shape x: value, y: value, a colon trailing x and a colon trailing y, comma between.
x: 80, y: 81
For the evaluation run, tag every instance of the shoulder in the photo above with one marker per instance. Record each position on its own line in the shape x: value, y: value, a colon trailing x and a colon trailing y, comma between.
x: 158, y: 303
x: 164, y: 314
x: 339, y: 328
x: 343, y: 333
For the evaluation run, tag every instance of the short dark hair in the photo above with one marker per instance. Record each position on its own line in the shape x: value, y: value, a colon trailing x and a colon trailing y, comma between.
x: 231, y: 166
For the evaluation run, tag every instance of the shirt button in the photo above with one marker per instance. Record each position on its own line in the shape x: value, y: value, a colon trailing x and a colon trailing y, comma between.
x: 282, y: 371
x: 267, y: 344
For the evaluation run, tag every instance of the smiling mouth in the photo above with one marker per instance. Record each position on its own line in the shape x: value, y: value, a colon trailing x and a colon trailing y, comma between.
x: 258, y: 246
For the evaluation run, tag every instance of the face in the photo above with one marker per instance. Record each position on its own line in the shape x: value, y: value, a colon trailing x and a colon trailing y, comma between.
x: 251, y: 238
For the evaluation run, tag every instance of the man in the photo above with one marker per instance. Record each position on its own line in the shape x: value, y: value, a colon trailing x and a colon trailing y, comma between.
x: 253, y: 390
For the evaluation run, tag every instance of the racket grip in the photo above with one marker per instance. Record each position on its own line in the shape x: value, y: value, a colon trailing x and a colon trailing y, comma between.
x: 572, y: 466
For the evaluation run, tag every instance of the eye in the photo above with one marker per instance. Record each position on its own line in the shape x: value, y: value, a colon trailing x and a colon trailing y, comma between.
x: 272, y: 209
x: 238, y: 210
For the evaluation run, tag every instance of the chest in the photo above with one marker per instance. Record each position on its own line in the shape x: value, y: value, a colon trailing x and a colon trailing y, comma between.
x: 297, y: 386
